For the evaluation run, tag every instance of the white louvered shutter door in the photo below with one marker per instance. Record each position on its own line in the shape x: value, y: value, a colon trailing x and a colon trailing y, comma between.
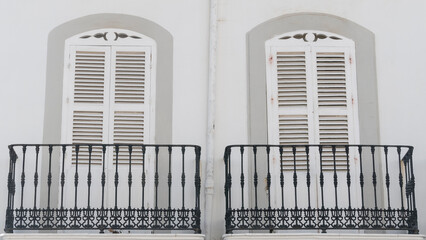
x: 130, y: 99
x: 290, y: 110
x: 89, y: 99
x: 334, y: 118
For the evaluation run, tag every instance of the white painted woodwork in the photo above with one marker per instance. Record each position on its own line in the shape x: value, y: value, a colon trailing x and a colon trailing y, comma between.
x: 309, y: 87
x: 108, y: 99
x: 85, y: 103
x: 311, y: 101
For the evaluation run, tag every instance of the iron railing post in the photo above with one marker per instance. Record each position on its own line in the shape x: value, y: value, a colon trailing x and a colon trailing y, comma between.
x: 11, y: 191
x: 197, y: 228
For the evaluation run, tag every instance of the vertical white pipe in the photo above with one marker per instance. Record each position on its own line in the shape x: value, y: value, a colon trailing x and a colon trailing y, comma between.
x: 211, y: 111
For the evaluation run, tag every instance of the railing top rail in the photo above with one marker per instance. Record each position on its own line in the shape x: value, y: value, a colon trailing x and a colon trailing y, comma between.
x: 110, y: 144
x: 227, y: 148
x: 316, y: 145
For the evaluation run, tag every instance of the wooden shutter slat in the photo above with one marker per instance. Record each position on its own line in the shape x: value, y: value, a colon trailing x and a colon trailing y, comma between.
x: 87, y: 128
x: 89, y: 76
x: 331, y: 79
x: 291, y: 74
x: 293, y: 129
x: 333, y: 130
x: 130, y: 99
x: 129, y: 127
x: 130, y: 77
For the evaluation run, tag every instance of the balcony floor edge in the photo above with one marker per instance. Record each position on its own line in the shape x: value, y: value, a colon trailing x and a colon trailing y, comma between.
x: 313, y: 236
x: 75, y: 236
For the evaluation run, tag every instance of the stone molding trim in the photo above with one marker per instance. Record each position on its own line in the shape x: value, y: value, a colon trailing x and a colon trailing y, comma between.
x: 365, y: 72
x: 133, y: 25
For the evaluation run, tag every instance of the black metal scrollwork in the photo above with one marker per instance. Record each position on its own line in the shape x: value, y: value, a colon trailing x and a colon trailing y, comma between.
x: 337, y: 207
x: 96, y: 214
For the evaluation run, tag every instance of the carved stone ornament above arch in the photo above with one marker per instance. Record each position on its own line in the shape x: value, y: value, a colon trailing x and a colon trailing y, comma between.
x: 314, y: 37
x: 310, y: 36
x: 111, y: 36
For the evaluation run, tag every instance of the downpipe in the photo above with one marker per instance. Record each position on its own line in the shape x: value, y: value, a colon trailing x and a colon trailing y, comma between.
x: 211, y: 113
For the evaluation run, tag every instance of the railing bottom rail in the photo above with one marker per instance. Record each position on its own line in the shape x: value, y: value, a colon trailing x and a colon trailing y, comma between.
x: 322, y: 219
x: 105, y: 219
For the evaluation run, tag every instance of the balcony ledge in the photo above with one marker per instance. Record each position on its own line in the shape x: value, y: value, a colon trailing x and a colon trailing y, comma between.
x: 307, y: 236
x: 18, y: 236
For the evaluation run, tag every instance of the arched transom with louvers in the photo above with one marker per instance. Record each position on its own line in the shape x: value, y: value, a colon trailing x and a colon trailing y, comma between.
x: 312, y: 97
x: 108, y: 88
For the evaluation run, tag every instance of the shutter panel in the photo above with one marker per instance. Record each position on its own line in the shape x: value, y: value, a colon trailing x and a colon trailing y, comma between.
x: 90, y: 70
x: 331, y: 79
x: 303, y: 74
x: 87, y: 128
x: 291, y: 91
x: 130, y: 69
x: 129, y: 128
x: 294, y: 130
x: 333, y: 130
x: 109, y: 99
x: 89, y: 76
x: 291, y: 78
x: 130, y: 81
x: 333, y: 89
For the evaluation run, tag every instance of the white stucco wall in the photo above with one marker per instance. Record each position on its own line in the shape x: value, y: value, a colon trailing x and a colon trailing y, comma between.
x: 397, y: 25
x: 24, y: 65
x: 398, y: 32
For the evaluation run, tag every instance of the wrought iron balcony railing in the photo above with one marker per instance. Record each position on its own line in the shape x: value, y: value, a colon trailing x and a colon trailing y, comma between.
x: 281, y: 187
x: 104, y: 187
